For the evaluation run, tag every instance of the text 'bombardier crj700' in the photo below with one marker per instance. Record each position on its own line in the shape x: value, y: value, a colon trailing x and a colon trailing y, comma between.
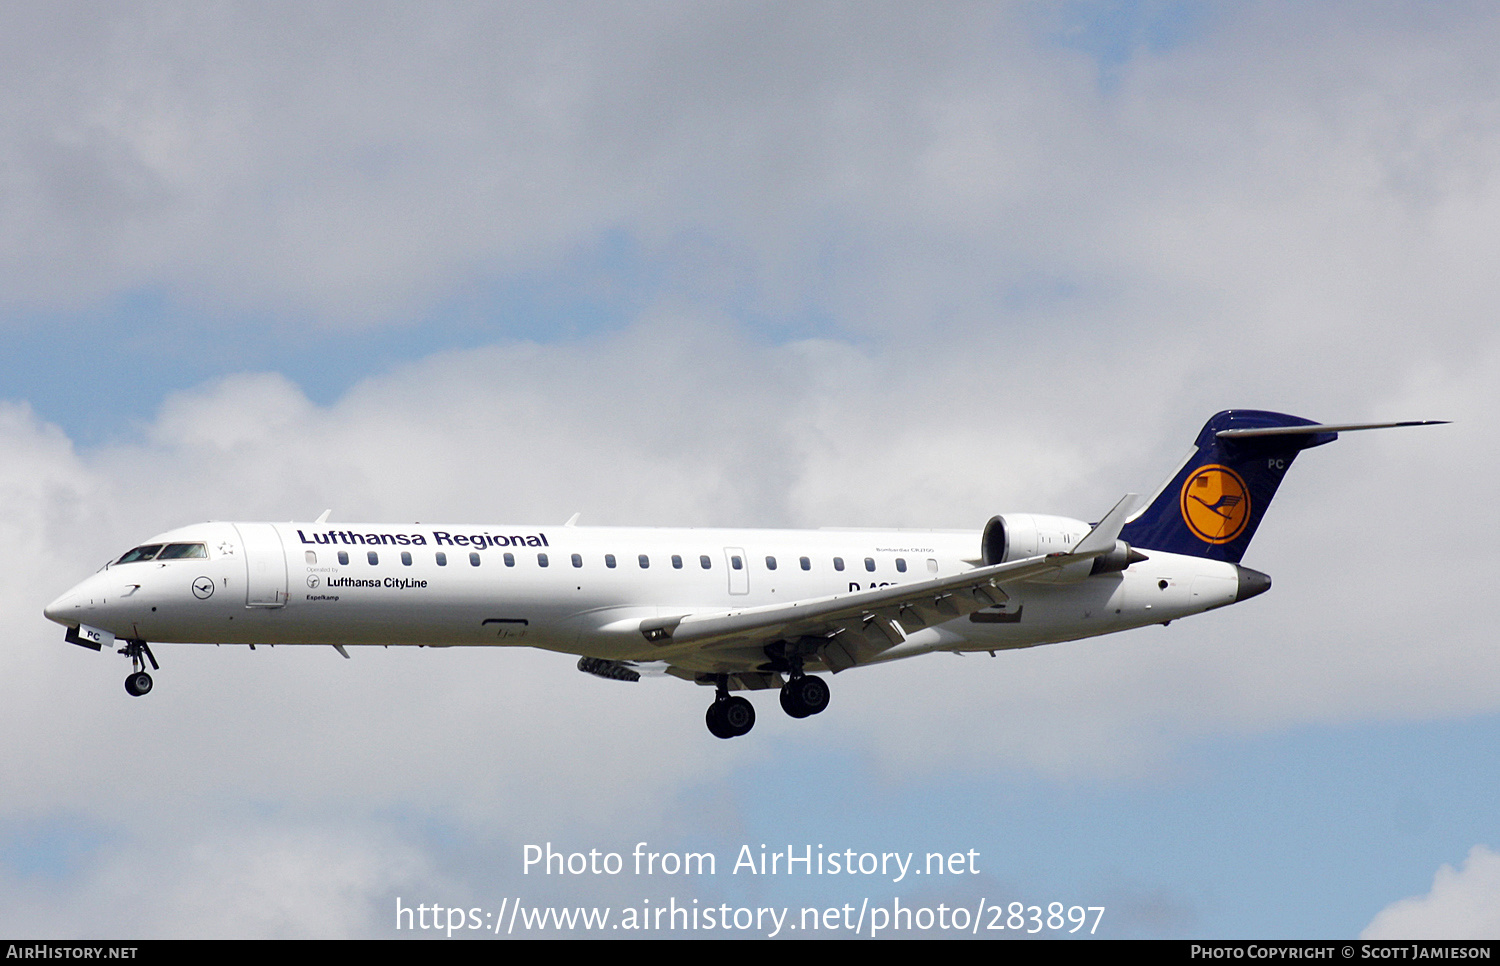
x: 733, y: 609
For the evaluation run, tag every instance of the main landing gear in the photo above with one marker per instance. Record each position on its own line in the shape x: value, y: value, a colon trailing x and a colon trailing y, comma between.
x: 804, y: 696
x: 729, y: 717
x: 138, y: 682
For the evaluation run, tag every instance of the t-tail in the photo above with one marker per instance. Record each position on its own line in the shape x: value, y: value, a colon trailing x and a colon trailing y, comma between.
x: 1212, y: 506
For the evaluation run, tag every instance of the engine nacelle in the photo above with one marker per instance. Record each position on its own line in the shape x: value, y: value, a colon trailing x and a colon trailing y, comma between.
x: 1016, y: 536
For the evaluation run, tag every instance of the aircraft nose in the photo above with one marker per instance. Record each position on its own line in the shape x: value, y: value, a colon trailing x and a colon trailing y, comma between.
x: 60, y: 608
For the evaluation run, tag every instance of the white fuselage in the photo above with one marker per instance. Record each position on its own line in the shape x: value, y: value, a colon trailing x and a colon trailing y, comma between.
x: 555, y: 587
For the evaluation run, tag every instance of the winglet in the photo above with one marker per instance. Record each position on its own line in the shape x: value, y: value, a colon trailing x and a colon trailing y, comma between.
x: 1102, y: 538
x: 323, y: 517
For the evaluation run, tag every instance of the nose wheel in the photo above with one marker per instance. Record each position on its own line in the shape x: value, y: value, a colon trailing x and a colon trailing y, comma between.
x: 138, y: 682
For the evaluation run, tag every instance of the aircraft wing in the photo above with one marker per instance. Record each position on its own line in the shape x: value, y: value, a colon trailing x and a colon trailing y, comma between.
x: 859, y: 625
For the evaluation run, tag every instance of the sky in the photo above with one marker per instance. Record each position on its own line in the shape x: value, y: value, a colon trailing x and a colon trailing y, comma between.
x: 754, y: 264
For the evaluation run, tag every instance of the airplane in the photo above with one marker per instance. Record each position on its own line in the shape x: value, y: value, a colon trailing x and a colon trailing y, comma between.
x: 735, y: 610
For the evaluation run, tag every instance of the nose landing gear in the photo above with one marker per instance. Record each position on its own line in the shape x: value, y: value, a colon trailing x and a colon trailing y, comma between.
x: 138, y: 682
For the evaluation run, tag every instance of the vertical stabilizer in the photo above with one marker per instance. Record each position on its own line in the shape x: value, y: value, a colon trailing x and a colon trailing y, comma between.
x: 1214, y: 503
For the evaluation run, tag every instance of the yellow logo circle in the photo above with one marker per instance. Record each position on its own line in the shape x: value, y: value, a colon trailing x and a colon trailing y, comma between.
x: 1215, y: 504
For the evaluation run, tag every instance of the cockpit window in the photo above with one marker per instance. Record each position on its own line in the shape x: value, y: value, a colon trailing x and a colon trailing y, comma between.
x: 147, y: 552
x: 182, y: 551
x: 171, y: 551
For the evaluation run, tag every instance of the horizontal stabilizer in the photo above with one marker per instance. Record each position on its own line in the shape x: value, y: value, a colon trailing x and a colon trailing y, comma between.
x: 1322, y: 428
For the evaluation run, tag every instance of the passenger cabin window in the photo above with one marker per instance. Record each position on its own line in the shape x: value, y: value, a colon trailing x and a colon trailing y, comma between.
x: 736, y: 562
x: 609, y: 561
x: 406, y: 558
x: 510, y: 559
x: 838, y: 563
x: 806, y: 563
x: 870, y: 564
x: 676, y: 561
x: 373, y: 557
x: 473, y: 560
x: 900, y: 565
x: 645, y: 561
x: 344, y: 557
x: 770, y: 563
x: 541, y: 560
x: 704, y: 562
x: 442, y: 559
x: 578, y: 560
x: 312, y: 557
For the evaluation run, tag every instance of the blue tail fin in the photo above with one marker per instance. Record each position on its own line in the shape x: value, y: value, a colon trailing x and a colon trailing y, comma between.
x: 1212, y: 506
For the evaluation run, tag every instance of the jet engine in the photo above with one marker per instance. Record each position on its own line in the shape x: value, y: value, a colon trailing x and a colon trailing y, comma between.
x: 1017, y: 536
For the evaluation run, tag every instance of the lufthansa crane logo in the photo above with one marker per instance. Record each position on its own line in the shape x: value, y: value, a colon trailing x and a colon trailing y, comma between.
x: 203, y: 588
x: 1215, y: 504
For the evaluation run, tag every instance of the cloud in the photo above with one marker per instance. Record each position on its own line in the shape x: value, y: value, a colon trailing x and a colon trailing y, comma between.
x: 893, y: 171
x: 880, y: 268
x: 359, y: 167
x: 1463, y: 903
x: 265, y: 876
